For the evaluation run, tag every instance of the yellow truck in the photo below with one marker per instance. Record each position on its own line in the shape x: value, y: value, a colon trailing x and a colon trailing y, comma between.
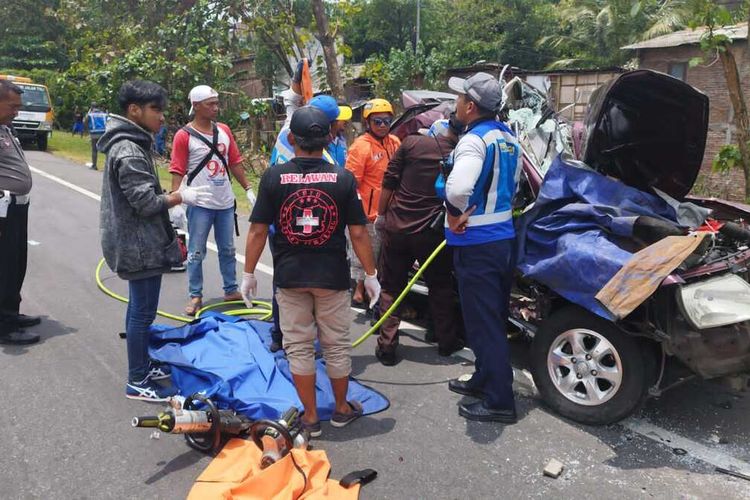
x: 34, y: 120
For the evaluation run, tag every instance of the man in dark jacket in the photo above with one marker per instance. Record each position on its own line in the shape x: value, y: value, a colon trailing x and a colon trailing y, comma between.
x: 410, y: 219
x: 138, y: 241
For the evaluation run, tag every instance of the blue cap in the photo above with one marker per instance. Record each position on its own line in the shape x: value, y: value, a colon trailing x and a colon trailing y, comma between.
x: 327, y: 104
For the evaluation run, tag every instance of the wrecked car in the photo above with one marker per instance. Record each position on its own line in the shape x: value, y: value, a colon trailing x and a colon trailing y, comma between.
x: 619, y: 271
x: 621, y: 275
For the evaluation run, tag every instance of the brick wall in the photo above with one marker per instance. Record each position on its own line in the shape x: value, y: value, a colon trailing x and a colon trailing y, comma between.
x: 709, y: 79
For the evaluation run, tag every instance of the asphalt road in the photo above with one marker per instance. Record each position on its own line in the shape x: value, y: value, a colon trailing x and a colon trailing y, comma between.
x: 67, y: 423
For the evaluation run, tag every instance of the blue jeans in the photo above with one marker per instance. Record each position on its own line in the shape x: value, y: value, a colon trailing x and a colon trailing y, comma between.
x: 485, y: 274
x: 200, y: 221
x: 142, y: 305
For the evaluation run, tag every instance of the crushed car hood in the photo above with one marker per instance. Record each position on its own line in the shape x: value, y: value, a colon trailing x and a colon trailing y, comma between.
x: 649, y: 130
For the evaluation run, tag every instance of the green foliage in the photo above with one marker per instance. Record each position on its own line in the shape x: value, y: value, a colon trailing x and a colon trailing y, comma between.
x: 592, y: 32
x: 727, y: 158
x: 405, y: 69
x: 31, y: 36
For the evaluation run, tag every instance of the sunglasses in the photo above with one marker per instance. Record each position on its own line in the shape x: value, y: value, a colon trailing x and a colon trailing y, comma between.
x: 382, y: 121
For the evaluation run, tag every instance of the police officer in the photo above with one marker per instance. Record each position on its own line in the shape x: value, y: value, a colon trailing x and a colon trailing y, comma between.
x: 15, y: 184
x: 479, y: 190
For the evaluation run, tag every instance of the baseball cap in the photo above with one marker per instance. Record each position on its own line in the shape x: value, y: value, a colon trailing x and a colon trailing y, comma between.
x: 199, y: 94
x: 482, y: 88
x: 311, y: 122
x: 331, y: 108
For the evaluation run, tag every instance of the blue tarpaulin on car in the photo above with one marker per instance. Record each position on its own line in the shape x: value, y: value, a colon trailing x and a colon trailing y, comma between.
x: 575, y: 237
x: 228, y: 360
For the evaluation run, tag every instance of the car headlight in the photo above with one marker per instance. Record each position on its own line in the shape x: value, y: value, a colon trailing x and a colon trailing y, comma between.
x: 719, y: 301
x: 45, y: 125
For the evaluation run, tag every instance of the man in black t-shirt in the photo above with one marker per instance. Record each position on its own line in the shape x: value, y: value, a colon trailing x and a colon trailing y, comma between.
x: 311, y: 202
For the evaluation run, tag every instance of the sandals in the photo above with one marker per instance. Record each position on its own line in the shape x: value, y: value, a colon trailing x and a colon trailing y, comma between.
x: 229, y: 297
x: 195, y: 305
x: 344, y: 419
x: 313, y: 430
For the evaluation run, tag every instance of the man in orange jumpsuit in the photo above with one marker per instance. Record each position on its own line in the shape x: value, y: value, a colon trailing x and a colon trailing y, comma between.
x: 368, y: 159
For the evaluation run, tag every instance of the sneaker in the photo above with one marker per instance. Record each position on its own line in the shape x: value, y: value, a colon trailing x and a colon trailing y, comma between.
x: 158, y: 371
x: 147, y: 390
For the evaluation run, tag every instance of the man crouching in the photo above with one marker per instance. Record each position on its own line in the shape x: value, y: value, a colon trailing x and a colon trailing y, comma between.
x: 310, y: 202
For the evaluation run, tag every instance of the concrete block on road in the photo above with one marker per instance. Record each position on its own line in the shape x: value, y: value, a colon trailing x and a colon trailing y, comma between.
x: 554, y: 468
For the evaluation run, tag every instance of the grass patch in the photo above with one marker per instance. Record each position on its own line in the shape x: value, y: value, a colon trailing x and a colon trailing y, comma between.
x: 78, y: 149
x: 73, y: 147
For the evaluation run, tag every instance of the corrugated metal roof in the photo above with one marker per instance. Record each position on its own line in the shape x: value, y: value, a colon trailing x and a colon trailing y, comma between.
x: 689, y: 37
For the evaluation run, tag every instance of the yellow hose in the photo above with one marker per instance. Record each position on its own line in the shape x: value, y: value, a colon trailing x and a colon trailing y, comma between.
x: 264, y: 309
x: 403, y: 294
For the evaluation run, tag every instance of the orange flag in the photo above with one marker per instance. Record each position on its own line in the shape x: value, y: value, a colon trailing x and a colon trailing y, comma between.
x: 306, y: 83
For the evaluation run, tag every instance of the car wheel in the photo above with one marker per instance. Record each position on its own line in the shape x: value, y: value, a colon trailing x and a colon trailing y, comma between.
x: 41, y: 142
x: 587, y: 369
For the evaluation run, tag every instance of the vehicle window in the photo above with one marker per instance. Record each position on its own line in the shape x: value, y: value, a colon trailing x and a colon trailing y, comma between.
x: 34, y: 98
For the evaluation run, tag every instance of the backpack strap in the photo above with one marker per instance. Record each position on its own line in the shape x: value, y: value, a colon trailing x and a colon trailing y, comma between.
x: 213, y: 150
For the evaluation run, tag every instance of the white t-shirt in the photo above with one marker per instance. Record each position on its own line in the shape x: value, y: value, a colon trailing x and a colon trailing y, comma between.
x: 188, y: 152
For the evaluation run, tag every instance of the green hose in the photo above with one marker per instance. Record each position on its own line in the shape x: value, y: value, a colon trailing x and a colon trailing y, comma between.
x: 263, y: 311
x: 401, y: 297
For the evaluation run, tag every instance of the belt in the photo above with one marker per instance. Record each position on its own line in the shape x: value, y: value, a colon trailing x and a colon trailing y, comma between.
x: 16, y: 199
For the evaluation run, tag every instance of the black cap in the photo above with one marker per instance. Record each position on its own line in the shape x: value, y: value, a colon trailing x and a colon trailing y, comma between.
x: 310, y: 122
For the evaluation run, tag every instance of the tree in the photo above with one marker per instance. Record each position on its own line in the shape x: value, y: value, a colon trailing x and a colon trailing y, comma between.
x: 713, y: 17
x: 591, y: 32
x: 30, y: 35
x: 327, y: 39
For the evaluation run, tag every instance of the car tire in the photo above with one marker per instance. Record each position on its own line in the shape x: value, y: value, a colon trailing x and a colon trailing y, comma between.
x: 609, y: 377
x: 41, y: 142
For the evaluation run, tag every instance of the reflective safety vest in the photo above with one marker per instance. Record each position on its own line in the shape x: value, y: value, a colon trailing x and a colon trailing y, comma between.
x: 493, y: 192
x: 97, y: 122
x: 283, y: 152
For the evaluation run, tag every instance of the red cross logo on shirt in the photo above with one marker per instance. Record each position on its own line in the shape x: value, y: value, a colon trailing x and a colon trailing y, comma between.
x: 307, y: 221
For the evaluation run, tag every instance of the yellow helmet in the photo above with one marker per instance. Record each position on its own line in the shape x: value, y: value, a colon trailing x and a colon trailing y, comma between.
x: 377, y: 106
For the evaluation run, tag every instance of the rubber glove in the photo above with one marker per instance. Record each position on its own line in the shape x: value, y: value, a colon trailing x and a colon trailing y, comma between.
x: 199, y: 195
x: 250, y: 196
x: 372, y: 287
x: 178, y: 217
x: 248, y: 288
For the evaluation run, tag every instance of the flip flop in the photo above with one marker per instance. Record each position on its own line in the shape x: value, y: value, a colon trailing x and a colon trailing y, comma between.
x: 193, y: 306
x: 232, y: 296
x: 344, y: 419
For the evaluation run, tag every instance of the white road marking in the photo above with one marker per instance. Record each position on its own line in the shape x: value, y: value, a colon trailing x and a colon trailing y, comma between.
x: 67, y: 184
x: 641, y: 427
x: 33, y: 243
x: 695, y: 450
x: 211, y: 246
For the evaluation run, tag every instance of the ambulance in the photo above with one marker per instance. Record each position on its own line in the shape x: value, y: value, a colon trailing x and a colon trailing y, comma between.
x: 34, y: 120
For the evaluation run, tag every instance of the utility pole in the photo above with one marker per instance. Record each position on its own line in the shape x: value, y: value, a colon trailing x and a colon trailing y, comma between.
x: 419, y: 8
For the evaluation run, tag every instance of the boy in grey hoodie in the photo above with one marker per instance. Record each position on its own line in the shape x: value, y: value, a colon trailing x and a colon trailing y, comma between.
x: 137, y: 239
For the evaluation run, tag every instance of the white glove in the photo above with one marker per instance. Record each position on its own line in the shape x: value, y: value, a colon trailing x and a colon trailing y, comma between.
x: 195, y: 195
x: 250, y: 196
x: 372, y: 287
x: 178, y: 217
x: 248, y: 288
